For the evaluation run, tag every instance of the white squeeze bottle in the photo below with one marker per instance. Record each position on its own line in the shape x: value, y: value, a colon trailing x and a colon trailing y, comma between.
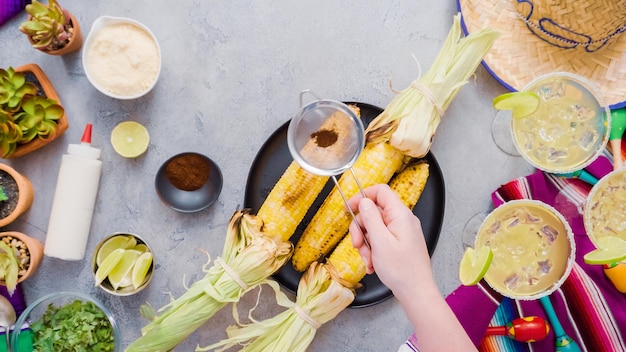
x: 74, y: 200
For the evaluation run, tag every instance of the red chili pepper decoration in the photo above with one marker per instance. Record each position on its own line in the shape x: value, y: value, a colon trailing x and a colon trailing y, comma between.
x: 525, y: 329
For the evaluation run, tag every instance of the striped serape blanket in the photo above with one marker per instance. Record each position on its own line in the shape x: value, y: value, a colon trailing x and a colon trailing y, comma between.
x: 590, y: 309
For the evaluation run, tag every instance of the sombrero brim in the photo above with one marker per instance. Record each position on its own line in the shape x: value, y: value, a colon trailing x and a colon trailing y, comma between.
x: 519, y: 56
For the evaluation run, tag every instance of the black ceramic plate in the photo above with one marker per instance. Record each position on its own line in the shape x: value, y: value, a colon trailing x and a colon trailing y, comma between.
x: 274, y: 158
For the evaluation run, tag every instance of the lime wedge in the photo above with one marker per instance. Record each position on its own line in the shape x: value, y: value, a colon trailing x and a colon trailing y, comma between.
x: 121, y: 274
x: 474, y: 265
x: 610, y: 249
x: 141, y: 248
x: 130, y: 139
x: 113, y: 243
x: 140, y: 270
x: 108, y: 264
x: 521, y: 103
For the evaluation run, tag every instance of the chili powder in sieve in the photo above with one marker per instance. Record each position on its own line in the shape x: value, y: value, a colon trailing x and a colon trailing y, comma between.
x: 325, y: 138
x: 188, y: 172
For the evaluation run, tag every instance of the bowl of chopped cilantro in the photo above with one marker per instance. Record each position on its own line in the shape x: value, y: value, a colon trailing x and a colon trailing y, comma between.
x: 66, y: 321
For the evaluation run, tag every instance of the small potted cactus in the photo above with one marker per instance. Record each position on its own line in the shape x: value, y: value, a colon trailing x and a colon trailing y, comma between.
x: 16, y: 196
x: 31, y: 115
x: 52, y: 29
x: 20, y: 256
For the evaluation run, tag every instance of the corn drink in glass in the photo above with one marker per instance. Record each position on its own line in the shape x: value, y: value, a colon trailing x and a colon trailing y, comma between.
x: 533, y: 249
x: 605, y: 211
x: 570, y: 127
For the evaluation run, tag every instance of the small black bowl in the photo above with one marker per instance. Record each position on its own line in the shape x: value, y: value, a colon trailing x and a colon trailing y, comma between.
x: 179, y: 192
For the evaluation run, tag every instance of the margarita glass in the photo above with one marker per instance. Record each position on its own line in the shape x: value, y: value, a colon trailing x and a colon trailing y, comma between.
x: 533, y: 249
x: 605, y: 216
x: 569, y: 129
x: 605, y: 211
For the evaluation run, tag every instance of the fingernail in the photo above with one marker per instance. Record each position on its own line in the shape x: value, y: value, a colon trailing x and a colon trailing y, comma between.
x: 366, y: 204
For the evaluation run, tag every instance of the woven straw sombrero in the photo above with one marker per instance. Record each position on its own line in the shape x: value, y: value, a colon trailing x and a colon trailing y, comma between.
x: 585, y: 37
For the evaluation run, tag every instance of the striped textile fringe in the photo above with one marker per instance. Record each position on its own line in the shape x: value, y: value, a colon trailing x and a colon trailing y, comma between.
x: 592, y: 316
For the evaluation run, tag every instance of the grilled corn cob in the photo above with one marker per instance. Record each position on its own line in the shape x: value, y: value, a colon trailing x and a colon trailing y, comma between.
x: 376, y: 164
x: 295, y: 191
x: 408, y: 185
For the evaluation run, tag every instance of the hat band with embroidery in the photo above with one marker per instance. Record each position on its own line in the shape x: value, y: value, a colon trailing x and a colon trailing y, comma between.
x: 568, y: 25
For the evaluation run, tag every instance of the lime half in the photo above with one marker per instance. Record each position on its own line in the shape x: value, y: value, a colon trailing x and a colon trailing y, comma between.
x: 610, y: 249
x: 474, y: 265
x: 520, y: 103
x: 130, y: 139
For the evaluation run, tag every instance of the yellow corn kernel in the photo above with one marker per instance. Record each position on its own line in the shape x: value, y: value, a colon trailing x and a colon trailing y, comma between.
x: 376, y: 164
x: 347, y: 261
x: 292, y: 196
x: 289, y: 200
x: 408, y: 185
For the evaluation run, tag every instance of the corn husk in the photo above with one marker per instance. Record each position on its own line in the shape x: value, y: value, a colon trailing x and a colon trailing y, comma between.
x: 321, y: 296
x: 410, y: 120
x: 252, y: 256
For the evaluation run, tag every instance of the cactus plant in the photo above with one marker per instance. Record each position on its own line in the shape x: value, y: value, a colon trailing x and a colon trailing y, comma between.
x: 26, y: 112
x: 50, y: 28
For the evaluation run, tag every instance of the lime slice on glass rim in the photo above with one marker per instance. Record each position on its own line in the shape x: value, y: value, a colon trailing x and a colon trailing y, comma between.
x: 521, y: 104
x: 474, y: 265
x: 610, y: 250
x: 130, y: 139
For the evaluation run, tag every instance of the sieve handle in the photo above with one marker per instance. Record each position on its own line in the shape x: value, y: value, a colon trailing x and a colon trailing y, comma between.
x: 345, y: 200
x: 307, y: 91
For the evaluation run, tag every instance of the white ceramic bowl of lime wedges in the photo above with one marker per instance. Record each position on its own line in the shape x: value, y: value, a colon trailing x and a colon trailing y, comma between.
x: 122, y: 264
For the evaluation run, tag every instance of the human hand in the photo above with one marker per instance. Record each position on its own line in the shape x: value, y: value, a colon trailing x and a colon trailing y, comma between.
x: 398, y: 252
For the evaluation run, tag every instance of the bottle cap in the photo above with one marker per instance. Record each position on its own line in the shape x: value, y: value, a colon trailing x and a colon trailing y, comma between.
x: 84, y: 149
x: 86, y: 135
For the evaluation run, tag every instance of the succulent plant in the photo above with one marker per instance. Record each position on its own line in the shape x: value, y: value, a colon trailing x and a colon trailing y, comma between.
x: 9, y: 266
x: 24, y: 114
x: 38, y: 117
x: 13, y: 87
x: 10, y: 134
x: 47, y: 26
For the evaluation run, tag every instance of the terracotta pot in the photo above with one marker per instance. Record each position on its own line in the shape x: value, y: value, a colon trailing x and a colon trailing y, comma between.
x: 75, y: 42
x: 50, y: 92
x: 35, y: 250
x: 26, y: 194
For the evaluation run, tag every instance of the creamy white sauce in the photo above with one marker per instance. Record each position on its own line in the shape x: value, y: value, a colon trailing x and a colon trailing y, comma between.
x: 123, y: 59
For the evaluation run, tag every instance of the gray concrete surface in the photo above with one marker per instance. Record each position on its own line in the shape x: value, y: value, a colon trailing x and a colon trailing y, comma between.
x: 232, y: 72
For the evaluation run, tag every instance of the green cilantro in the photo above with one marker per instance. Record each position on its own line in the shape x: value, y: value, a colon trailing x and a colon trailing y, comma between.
x: 76, y: 326
x: 3, y: 196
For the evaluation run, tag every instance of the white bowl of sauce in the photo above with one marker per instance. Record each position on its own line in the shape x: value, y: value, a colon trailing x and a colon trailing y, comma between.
x: 121, y: 57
